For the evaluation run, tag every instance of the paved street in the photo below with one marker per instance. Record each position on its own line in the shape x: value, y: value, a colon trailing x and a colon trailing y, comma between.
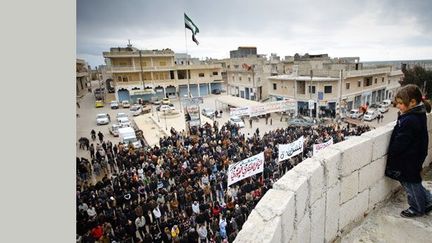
x: 155, y: 126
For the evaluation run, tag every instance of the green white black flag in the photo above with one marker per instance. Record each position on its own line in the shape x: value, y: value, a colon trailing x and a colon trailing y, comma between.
x: 190, y: 25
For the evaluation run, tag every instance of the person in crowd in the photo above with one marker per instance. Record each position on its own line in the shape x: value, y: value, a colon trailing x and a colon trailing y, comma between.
x: 182, y: 182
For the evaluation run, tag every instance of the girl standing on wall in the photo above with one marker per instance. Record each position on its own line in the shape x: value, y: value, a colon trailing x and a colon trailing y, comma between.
x: 408, y: 149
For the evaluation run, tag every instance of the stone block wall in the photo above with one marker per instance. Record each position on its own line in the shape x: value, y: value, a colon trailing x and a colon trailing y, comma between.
x: 325, y: 195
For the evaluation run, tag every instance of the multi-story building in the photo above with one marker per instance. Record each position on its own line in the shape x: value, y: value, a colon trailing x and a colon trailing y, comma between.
x: 353, y: 87
x: 148, y: 74
x: 243, y: 51
x: 245, y: 76
x: 82, y: 76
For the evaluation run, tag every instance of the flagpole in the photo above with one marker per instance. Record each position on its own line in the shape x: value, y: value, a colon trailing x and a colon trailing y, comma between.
x: 187, y: 66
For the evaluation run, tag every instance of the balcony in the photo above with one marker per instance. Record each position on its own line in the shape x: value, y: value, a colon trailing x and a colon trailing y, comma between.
x: 118, y: 69
x: 367, y: 72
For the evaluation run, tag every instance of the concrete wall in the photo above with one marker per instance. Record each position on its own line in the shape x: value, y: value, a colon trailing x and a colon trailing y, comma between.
x: 326, y: 195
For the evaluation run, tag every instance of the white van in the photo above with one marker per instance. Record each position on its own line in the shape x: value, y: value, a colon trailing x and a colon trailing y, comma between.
x: 371, y: 114
x: 127, y: 135
x: 386, y: 102
x: 355, y: 114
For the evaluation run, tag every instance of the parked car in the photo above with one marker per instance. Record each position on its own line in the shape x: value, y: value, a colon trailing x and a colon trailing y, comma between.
x: 216, y: 91
x: 237, y: 121
x: 114, y: 104
x: 121, y: 115
x: 113, y: 129
x: 136, y: 110
x: 355, y: 114
x: 370, y: 114
x: 166, y: 101
x: 383, y: 108
x: 300, y: 122
x: 387, y: 103
x: 208, y: 112
x: 156, y: 102
x: 99, y: 103
x: 125, y: 104
x: 124, y: 122
x: 102, y: 119
x: 166, y: 108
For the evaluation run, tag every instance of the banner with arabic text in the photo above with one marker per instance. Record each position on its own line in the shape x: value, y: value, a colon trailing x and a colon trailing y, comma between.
x: 287, y: 151
x: 245, y: 168
x: 321, y: 146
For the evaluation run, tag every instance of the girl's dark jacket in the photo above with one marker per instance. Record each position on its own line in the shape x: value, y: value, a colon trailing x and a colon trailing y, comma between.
x: 408, y: 146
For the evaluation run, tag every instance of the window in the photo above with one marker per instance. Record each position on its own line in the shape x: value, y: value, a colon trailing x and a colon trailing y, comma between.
x: 125, y: 79
x: 215, y: 73
x: 376, y: 80
x: 249, y: 79
x: 327, y: 89
x: 382, y: 80
x: 359, y: 83
x: 347, y: 86
x: 201, y: 74
x: 162, y: 63
x: 367, y: 82
x: 274, y: 86
x: 240, y: 78
x: 236, y: 66
x: 312, y: 89
x: 119, y: 78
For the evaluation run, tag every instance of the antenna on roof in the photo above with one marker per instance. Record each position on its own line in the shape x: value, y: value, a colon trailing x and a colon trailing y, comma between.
x: 129, y: 44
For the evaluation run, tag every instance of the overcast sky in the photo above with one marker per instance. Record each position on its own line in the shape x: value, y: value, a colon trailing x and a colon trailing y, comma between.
x: 372, y: 30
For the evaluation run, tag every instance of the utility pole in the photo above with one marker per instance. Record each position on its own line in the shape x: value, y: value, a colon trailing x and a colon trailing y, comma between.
x: 340, y: 92
x: 310, y: 92
x: 142, y: 73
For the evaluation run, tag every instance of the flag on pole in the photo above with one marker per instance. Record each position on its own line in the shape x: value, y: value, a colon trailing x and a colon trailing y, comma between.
x: 190, y: 25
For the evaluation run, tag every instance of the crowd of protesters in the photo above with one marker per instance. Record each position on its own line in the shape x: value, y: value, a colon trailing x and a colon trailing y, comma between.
x: 177, y: 191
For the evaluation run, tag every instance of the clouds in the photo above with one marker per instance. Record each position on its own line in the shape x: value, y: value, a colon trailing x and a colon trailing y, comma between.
x: 373, y: 30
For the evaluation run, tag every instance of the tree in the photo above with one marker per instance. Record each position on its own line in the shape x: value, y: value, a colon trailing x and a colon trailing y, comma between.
x: 420, y: 77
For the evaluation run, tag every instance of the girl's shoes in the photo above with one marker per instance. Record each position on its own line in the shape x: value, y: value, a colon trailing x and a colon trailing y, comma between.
x: 408, y: 213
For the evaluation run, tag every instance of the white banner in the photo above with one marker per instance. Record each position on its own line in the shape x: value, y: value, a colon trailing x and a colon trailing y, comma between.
x: 245, y: 168
x: 321, y: 146
x: 275, y: 106
x: 287, y: 151
x: 241, y: 111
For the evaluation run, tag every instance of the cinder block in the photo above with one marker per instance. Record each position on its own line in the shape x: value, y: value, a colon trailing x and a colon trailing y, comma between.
x: 381, y: 190
x: 277, y: 203
x: 332, y: 212
x: 314, y: 171
x: 356, y: 153
x: 429, y: 121
x: 349, y: 186
x: 297, y: 183
x: 380, y: 141
x: 318, y: 220
x: 303, y: 231
x: 428, y: 159
x: 255, y: 229
x: 353, y: 209
x: 330, y: 159
x: 371, y: 173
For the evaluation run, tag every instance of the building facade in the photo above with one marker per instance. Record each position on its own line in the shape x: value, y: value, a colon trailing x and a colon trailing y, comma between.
x: 82, y: 76
x: 352, y: 88
x: 243, y: 51
x: 155, y: 74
